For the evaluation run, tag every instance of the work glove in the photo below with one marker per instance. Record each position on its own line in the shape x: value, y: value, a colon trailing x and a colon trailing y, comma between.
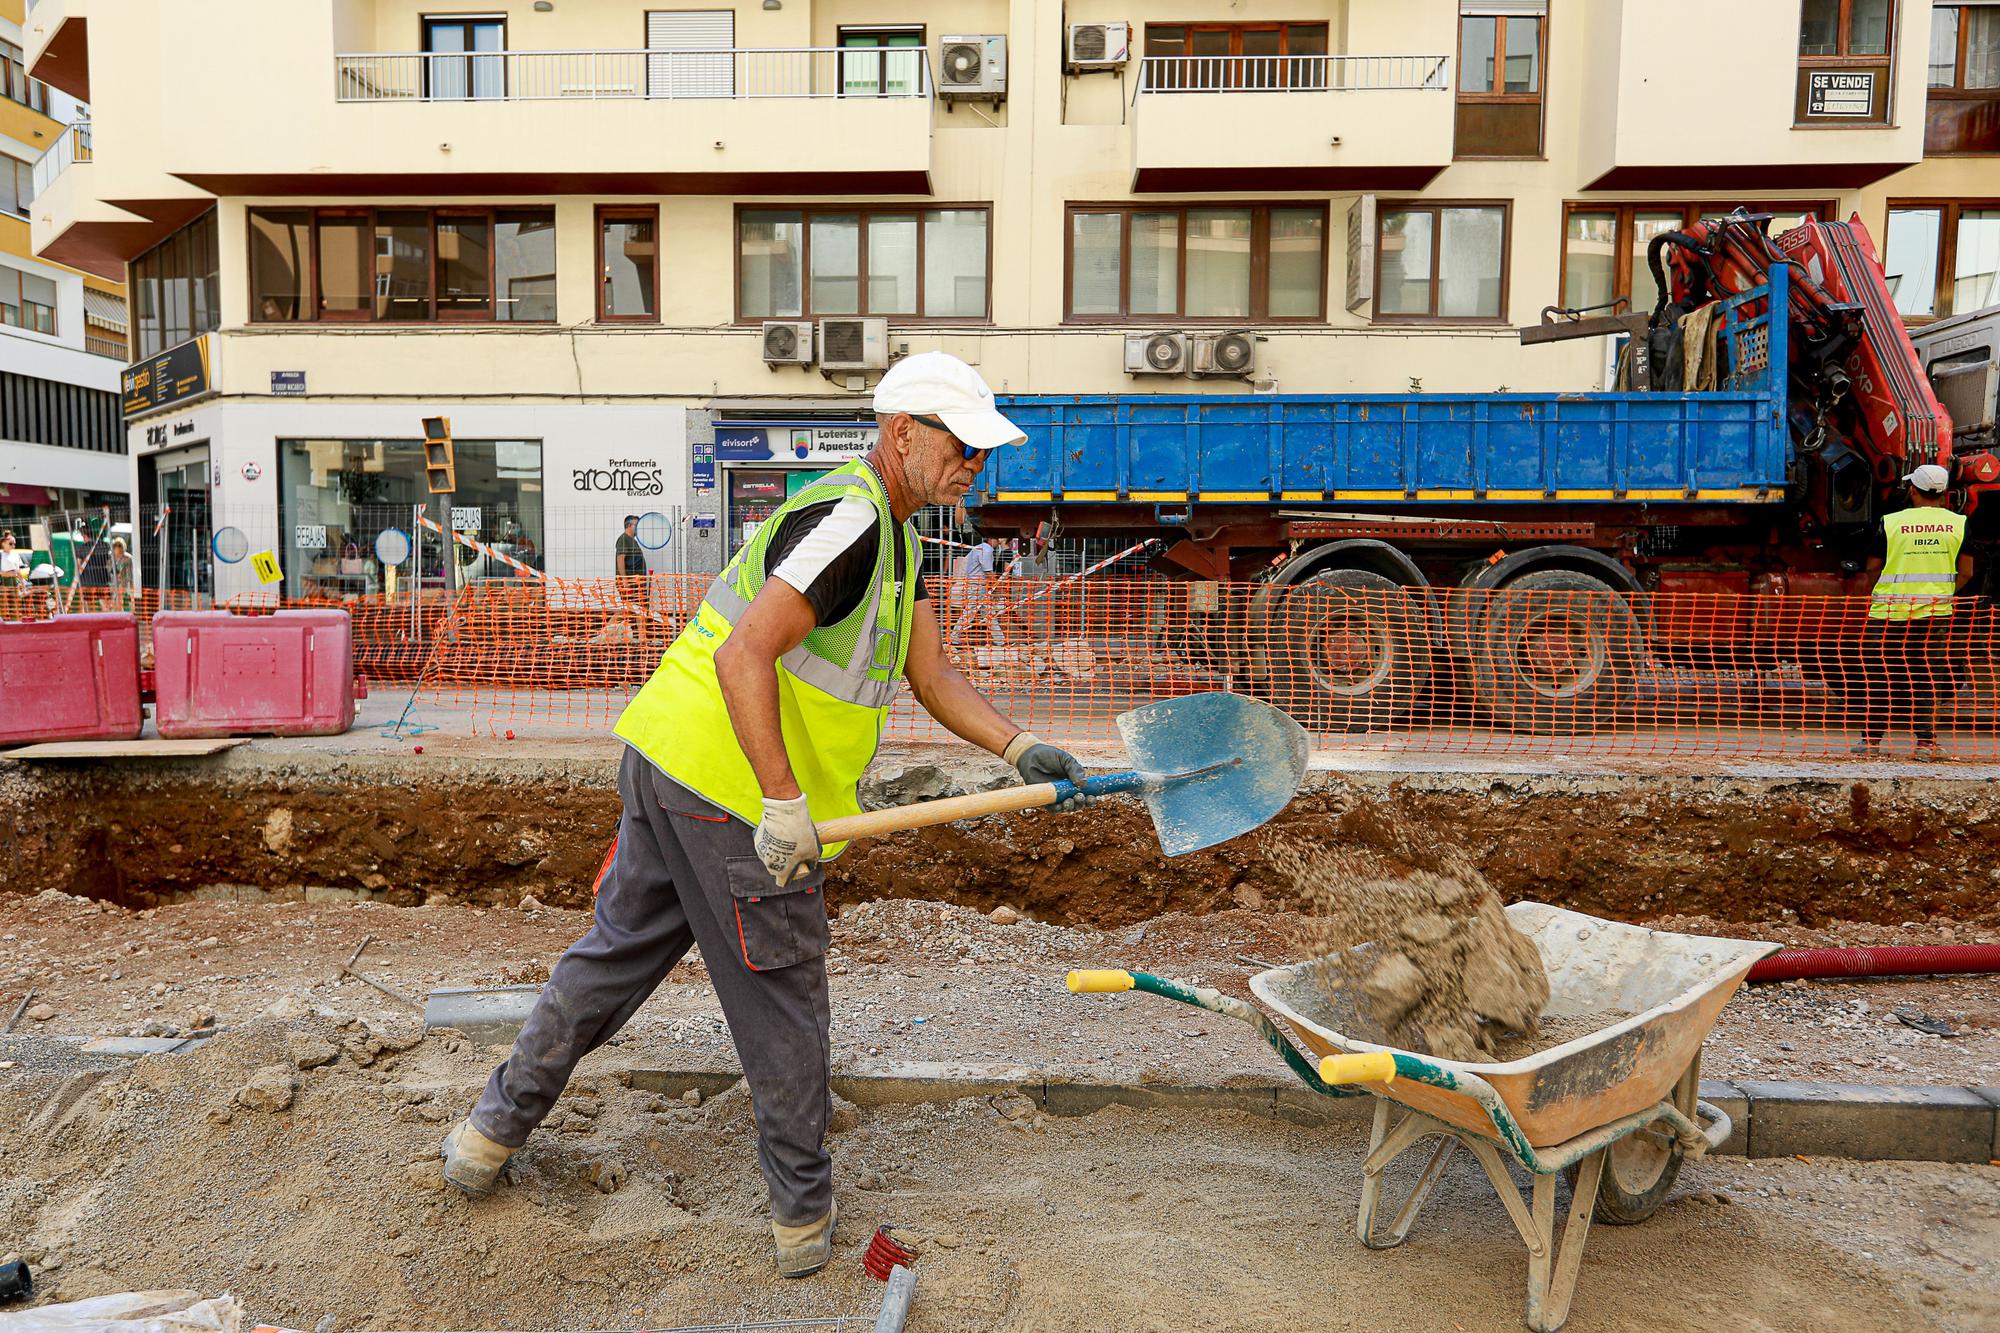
x: 786, y: 842
x: 1038, y: 761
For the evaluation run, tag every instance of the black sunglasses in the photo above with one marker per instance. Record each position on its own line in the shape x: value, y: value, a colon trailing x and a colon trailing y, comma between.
x: 971, y: 450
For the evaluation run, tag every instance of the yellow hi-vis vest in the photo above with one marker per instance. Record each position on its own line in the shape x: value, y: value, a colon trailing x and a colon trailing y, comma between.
x: 834, y: 689
x: 1920, y: 576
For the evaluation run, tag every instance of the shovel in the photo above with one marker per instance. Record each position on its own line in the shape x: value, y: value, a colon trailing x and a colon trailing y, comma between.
x: 1210, y: 766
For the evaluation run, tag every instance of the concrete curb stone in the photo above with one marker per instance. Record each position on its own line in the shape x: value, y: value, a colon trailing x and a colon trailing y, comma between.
x: 1869, y: 1122
x: 1733, y: 1102
x: 1993, y: 1095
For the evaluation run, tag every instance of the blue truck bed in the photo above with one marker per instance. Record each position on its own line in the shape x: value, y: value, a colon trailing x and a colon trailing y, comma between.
x: 1729, y: 446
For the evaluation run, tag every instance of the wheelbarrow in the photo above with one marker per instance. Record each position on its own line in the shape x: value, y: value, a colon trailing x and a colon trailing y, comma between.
x: 1616, y: 1109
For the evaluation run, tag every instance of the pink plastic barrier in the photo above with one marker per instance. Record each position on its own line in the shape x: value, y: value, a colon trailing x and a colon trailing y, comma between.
x: 74, y: 678
x: 220, y: 674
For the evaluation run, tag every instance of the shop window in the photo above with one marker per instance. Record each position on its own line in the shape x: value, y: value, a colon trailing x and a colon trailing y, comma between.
x: 1604, y: 245
x: 1502, y: 47
x: 1942, y: 258
x: 17, y: 185
x: 1962, y: 115
x: 402, y: 265
x: 1252, y: 262
x: 628, y: 263
x: 918, y: 263
x: 1218, y: 57
x: 337, y: 496
x: 881, y: 62
x: 175, y: 288
x: 1441, y: 262
x: 1844, y: 49
x: 27, y: 301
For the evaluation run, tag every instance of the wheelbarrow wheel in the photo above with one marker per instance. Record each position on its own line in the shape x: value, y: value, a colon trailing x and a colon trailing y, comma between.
x: 1639, y: 1174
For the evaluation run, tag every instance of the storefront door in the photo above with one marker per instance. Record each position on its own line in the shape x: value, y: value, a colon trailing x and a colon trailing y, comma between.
x: 177, y: 531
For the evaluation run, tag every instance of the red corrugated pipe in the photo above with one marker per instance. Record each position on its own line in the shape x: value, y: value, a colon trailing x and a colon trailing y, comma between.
x: 1899, y: 960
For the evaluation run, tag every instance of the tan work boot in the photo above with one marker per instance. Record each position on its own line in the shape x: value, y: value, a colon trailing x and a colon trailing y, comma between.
x: 803, y: 1251
x: 472, y: 1161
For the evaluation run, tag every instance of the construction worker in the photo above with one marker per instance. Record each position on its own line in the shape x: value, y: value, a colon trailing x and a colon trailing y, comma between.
x: 1905, y: 645
x: 759, y: 721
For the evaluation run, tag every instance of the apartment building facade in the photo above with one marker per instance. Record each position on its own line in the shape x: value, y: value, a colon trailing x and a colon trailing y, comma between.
x: 652, y: 260
x: 62, y: 332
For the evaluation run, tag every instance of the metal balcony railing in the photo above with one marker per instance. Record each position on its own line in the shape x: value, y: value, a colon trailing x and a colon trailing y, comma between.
x: 72, y: 145
x: 537, y: 76
x: 1278, y: 74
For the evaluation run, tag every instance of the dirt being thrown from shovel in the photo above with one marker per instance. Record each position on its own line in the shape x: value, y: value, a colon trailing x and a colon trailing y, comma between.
x: 1442, y: 971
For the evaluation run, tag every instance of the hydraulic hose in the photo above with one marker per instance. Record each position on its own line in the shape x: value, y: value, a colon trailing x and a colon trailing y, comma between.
x: 1898, y: 960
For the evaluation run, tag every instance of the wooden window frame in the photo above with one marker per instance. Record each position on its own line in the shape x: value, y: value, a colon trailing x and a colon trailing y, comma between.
x: 1845, y: 59
x: 1236, y: 33
x: 1260, y: 261
x: 315, y: 216
x: 863, y: 212
x: 1949, y: 211
x: 1956, y: 89
x: 1435, y: 207
x: 844, y: 30
x: 1498, y: 98
x: 1627, y: 211
x: 424, y: 24
x: 627, y: 213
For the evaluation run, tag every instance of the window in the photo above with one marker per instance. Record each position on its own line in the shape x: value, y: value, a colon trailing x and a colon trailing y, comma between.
x: 928, y: 263
x: 17, y: 185
x: 451, y: 69
x: 1210, y: 57
x: 69, y: 416
x: 1441, y: 261
x: 15, y: 83
x: 1245, y: 262
x: 1501, y: 49
x: 628, y: 267
x: 402, y: 265
x: 1604, y: 245
x: 27, y: 300
x: 881, y: 62
x: 1962, y: 115
x: 1943, y: 258
x: 175, y: 288
x: 1844, y: 50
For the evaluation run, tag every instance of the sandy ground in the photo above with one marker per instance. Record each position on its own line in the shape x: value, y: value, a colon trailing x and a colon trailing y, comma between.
x: 630, y: 1209
x: 913, y: 980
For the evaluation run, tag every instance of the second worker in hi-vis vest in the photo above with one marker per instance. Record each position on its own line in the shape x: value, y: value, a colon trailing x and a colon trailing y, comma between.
x: 1906, y: 645
x: 759, y: 721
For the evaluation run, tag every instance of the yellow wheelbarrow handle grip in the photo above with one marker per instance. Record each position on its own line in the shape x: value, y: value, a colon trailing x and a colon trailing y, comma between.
x: 1367, y: 1067
x: 1098, y: 981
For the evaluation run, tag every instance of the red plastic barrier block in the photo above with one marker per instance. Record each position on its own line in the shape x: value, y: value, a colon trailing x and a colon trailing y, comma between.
x: 74, y: 678
x: 220, y: 674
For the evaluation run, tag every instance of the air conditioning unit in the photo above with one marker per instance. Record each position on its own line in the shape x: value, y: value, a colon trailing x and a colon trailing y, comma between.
x: 1098, y: 45
x: 788, y: 342
x: 1222, y: 354
x: 1163, y: 353
x: 854, y: 344
x: 972, y: 69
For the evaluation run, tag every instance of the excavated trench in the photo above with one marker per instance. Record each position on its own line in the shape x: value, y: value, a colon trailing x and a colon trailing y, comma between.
x: 1628, y: 847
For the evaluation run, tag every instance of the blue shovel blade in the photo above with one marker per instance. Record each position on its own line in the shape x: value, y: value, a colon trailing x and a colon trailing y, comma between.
x: 1255, y: 754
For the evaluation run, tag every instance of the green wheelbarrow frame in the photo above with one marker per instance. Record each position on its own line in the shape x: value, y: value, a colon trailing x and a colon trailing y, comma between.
x: 1647, y: 1136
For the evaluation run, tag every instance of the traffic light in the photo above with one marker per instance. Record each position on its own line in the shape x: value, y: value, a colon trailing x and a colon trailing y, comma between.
x: 440, y: 474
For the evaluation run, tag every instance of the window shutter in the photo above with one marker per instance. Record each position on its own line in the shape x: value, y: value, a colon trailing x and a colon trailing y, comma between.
x: 691, y: 30
x: 1361, y: 252
x: 1505, y: 8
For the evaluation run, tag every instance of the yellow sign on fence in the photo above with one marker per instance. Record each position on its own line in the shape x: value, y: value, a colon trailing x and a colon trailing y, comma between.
x: 266, y: 565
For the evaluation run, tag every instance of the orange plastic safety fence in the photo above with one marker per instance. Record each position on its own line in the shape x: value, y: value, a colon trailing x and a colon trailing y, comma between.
x: 1562, y: 666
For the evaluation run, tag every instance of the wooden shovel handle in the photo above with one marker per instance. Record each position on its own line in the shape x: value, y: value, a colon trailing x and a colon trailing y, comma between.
x: 922, y: 814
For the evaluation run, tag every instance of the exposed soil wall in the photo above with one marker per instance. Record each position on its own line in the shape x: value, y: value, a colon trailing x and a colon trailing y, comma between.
x: 403, y: 831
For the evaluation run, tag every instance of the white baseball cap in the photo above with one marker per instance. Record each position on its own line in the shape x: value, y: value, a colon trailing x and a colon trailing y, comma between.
x: 1929, y: 478
x: 938, y: 384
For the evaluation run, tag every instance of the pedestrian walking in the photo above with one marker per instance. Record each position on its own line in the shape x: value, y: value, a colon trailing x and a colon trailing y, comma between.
x: 1906, y: 644
x: 121, y: 576
x: 760, y: 720
x: 628, y: 563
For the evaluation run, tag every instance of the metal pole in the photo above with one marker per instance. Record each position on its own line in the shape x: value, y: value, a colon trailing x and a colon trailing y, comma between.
x: 416, y: 575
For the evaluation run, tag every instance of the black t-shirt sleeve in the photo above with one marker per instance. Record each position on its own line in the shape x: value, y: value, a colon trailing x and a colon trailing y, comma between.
x: 829, y: 547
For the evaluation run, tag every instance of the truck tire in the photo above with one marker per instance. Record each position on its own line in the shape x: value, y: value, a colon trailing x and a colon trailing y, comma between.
x: 1346, y: 650
x: 1554, y: 665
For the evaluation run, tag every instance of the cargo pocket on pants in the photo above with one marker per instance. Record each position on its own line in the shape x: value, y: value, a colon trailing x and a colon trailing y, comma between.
x: 776, y: 927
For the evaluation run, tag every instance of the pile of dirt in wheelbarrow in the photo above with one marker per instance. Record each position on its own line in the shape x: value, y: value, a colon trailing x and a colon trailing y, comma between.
x: 1443, y: 972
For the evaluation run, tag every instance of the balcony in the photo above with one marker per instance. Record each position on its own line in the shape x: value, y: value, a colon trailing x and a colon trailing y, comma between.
x: 71, y: 147
x: 1345, y: 123
x: 57, y: 38
x: 800, y: 120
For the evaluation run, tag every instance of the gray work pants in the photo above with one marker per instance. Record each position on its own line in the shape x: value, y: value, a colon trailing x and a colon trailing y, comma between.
x: 683, y: 873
